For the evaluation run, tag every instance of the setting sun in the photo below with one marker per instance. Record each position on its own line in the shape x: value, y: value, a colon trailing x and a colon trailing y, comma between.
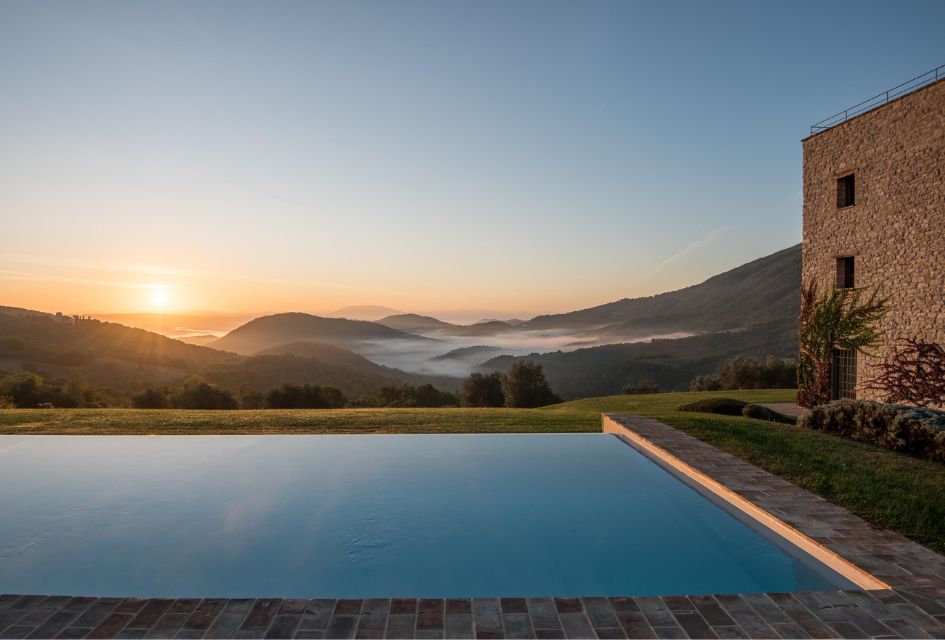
x: 159, y: 298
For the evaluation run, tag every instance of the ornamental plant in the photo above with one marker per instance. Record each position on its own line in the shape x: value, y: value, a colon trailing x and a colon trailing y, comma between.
x: 913, y: 372
x: 840, y: 318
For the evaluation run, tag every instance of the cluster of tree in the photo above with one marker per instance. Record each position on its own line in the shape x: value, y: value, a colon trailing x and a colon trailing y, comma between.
x: 29, y: 389
x: 195, y: 393
x: 749, y: 373
x: 644, y: 386
x: 305, y: 396
x: 523, y: 385
x: 406, y: 395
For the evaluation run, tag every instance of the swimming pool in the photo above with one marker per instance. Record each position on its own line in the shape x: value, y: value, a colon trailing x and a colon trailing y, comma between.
x: 371, y: 516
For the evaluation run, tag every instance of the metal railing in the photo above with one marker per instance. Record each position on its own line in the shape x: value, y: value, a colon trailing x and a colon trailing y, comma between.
x: 917, y: 82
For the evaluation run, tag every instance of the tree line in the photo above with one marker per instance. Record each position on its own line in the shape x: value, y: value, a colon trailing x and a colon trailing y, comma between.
x: 524, y: 385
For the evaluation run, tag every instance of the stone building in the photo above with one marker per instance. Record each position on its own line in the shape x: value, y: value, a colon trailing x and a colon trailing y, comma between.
x: 874, y: 215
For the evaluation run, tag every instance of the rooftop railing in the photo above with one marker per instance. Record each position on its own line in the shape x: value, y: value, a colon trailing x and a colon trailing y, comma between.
x: 880, y: 99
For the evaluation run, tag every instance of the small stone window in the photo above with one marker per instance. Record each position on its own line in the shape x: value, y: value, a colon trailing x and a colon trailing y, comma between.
x: 843, y: 374
x: 846, y: 192
x: 845, y: 271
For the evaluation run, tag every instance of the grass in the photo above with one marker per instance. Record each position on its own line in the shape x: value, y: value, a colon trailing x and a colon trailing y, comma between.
x: 888, y: 489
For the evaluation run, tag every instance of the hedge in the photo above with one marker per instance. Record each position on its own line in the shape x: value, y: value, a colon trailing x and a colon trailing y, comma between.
x: 723, y: 406
x: 761, y: 412
x: 912, y: 430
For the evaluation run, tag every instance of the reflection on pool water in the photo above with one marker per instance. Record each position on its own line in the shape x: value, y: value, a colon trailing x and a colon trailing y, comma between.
x: 369, y: 516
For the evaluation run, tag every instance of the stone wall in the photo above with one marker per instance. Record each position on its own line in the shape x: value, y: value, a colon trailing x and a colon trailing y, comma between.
x: 896, y: 228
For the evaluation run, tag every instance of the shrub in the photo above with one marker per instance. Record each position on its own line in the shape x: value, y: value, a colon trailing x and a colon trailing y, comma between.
x: 839, y: 318
x: 915, y: 431
x: 749, y: 373
x: 645, y: 386
x: 705, y: 383
x: 722, y: 406
x: 425, y: 395
x: 306, y: 396
x: 249, y: 398
x: 912, y: 372
x: 761, y: 412
x: 525, y: 386
x: 482, y: 390
x: 198, y: 394
x: 150, y: 399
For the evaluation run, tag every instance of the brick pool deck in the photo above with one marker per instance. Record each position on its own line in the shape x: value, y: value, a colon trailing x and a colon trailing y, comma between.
x: 913, y: 606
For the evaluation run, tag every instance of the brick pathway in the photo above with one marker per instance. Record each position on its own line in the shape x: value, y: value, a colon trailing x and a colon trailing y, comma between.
x: 913, y: 608
x: 787, y: 408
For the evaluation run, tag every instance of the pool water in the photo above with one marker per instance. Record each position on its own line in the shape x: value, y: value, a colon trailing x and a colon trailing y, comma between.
x: 370, y: 516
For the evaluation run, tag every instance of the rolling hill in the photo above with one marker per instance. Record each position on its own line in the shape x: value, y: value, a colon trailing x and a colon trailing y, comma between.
x: 758, y: 292
x: 119, y: 357
x: 672, y: 364
x: 287, y: 328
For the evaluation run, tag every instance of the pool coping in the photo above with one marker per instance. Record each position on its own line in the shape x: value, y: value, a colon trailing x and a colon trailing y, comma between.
x: 913, y: 605
x: 730, y: 500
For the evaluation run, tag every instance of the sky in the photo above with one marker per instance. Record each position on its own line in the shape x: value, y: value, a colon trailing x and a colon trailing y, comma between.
x: 510, y: 157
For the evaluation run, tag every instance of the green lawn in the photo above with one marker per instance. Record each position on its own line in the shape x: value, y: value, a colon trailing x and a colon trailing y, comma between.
x: 886, y: 488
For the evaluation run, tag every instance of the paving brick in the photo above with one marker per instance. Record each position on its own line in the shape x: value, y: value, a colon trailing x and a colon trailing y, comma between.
x: 568, y: 605
x: 373, y: 619
x: 458, y: 605
x: 110, y: 626
x: 544, y: 614
x: 803, y: 617
x: 486, y: 615
x: 284, y: 625
x: 746, y: 617
x: 576, y: 625
x: 403, y: 605
x: 149, y: 614
x: 95, y: 613
x: 459, y: 625
x: 517, y: 625
x: 261, y: 614
x: 694, y: 624
x: 342, y: 626
x: 656, y: 611
x: 401, y: 625
x: 228, y: 621
x: 513, y: 605
x: 54, y: 624
x: 600, y: 613
x: 168, y: 625
x: 347, y: 607
x: 317, y: 614
x: 634, y: 624
x: 430, y: 614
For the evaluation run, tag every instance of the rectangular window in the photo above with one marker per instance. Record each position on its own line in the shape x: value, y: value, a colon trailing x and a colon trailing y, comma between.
x: 846, y: 192
x: 843, y: 374
x: 845, y: 272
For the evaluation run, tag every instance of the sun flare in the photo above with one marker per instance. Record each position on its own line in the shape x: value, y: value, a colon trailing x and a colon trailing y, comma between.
x: 159, y: 298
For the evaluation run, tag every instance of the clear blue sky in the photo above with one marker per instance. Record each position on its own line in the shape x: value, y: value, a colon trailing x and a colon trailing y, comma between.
x: 516, y: 156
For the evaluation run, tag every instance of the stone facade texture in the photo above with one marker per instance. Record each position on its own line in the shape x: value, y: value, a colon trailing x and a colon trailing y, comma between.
x: 896, y: 228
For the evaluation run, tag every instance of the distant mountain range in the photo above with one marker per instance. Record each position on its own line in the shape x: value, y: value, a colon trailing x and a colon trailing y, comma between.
x: 761, y: 291
x: 363, y: 312
x: 750, y: 310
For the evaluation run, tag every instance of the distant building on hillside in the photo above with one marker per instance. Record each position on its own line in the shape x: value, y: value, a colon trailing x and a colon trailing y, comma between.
x: 874, y: 214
